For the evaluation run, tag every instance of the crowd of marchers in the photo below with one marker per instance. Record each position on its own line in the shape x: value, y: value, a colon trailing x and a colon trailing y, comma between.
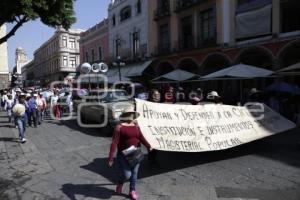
x: 28, y: 107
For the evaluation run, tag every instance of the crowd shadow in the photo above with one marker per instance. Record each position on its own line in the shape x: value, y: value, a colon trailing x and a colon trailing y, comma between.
x: 7, y: 126
x: 7, y: 139
x: 98, y: 191
x: 171, y: 161
x: 97, y: 132
x: 279, y: 147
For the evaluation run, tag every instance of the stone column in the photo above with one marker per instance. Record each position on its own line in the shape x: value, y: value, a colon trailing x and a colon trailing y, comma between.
x: 276, y: 17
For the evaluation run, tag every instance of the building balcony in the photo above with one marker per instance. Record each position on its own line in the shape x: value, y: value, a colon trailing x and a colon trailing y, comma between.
x: 162, y: 12
x: 212, y: 42
x: 162, y: 49
x: 186, y: 44
x: 184, y: 4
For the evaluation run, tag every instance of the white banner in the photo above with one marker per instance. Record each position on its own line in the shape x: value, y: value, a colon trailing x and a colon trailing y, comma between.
x: 211, y: 127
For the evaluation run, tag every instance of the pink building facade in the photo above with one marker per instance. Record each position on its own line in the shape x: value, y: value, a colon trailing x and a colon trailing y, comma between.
x: 94, y: 44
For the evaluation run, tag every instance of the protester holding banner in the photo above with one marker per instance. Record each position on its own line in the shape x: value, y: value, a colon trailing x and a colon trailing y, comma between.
x: 214, y: 97
x: 155, y: 96
x: 127, y: 137
x: 169, y: 96
x: 196, y: 96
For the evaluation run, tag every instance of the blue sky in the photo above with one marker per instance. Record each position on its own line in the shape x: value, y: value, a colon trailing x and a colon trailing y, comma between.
x: 32, y: 34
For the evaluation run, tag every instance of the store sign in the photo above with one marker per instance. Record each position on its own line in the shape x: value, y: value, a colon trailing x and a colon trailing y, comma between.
x: 211, y: 127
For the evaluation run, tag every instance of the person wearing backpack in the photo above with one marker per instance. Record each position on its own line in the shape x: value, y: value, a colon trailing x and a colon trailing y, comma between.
x: 19, y: 111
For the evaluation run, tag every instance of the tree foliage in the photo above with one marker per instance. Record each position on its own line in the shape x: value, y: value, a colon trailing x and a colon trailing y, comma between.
x: 51, y: 12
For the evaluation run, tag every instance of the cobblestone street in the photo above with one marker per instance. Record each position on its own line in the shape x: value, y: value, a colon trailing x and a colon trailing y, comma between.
x: 63, y: 161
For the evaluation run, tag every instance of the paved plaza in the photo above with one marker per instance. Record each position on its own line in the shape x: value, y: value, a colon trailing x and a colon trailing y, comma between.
x: 63, y: 161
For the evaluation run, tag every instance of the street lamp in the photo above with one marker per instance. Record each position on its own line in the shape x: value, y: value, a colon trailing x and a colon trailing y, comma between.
x: 119, y: 63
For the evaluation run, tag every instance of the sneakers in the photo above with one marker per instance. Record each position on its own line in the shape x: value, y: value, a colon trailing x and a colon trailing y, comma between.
x: 133, y: 195
x: 119, y: 189
x: 23, y: 140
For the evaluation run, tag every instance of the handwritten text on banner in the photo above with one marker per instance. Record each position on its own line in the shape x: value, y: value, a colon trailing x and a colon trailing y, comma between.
x: 190, y: 128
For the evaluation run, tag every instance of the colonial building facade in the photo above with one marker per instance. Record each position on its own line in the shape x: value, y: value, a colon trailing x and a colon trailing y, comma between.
x: 20, y: 60
x: 57, y: 57
x: 205, y: 36
x: 94, y: 45
x: 4, y: 72
x: 128, y: 29
x: 28, y: 77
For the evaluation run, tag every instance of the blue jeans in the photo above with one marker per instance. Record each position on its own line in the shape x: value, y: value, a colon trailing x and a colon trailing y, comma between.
x: 128, y: 173
x: 33, y: 116
x: 21, y: 122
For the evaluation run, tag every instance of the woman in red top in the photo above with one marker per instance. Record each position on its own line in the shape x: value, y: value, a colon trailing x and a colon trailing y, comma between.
x: 127, y: 134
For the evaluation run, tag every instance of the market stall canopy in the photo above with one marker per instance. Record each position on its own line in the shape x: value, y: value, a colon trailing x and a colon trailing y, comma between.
x: 177, y: 75
x: 291, y: 68
x: 127, y: 71
x: 240, y: 71
x: 281, y: 86
x: 138, y: 69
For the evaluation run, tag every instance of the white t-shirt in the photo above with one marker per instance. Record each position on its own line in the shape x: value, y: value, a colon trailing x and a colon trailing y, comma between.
x: 54, y: 100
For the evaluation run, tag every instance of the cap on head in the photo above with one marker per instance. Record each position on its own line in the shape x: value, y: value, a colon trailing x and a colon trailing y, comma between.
x: 213, y: 95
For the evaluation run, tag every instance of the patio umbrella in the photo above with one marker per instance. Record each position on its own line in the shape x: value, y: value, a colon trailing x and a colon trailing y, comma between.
x: 291, y: 68
x: 177, y: 75
x: 281, y: 86
x: 240, y: 71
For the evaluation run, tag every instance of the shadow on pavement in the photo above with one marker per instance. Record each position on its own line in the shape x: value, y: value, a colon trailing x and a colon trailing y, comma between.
x: 88, y: 190
x: 7, y: 126
x: 4, y: 139
x: 97, y: 132
x: 171, y: 161
x: 280, y: 147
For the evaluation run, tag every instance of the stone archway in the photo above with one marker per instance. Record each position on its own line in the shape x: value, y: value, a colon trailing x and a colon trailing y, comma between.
x: 256, y: 56
x: 188, y: 64
x: 289, y: 54
x: 214, y: 62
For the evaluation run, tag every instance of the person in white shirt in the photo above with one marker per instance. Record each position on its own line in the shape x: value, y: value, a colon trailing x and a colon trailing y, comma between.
x: 54, y: 106
x: 41, y: 102
x: 69, y: 102
x: 9, y: 103
x: 4, y: 99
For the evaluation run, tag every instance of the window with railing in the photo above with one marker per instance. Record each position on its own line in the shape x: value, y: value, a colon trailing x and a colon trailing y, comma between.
x: 207, y: 26
x: 100, y: 53
x: 72, y: 62
x: 186, y: 40
x: 93, y: 55
x: 118, y: 47
x: 164, y: 45
x: 246, y: 5
x: 72, y: 43
x: 138, y: 7
x: 65, y: 61
x: 113, y: 20
x: 87, y: 56
x: 183, y: 4
x: 135, y: 44
x: 125, y: 13
x: 163, y: 9
x: 290, y: 18
x: 64, y: 41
